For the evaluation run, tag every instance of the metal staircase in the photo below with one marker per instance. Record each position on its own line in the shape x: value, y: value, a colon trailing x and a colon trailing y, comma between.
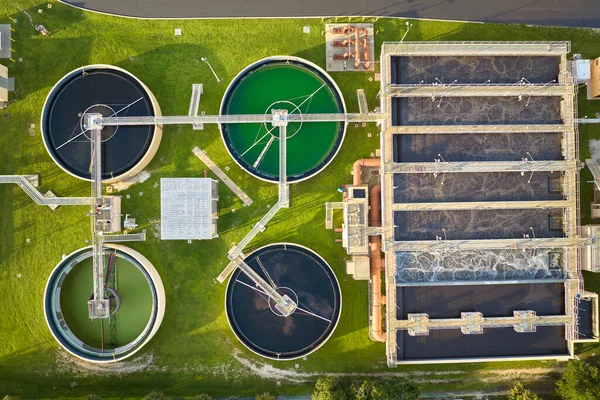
x: 39, y: 198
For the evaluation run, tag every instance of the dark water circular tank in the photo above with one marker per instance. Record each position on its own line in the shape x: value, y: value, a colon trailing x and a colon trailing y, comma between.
x: 109, y: 91
x: 301, y: 274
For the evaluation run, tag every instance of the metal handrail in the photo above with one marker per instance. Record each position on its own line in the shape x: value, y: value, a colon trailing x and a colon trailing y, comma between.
x: 475, y: 43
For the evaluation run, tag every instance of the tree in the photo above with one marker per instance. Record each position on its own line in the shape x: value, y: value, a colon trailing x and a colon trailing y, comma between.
x: 265, y: 396
x: 156, y: 396
x: 202, y: 396
x: 580, y: 381
x: 394, y: 389
x: 328, y: 389
x: 518, y: 392
x: 360, y: 391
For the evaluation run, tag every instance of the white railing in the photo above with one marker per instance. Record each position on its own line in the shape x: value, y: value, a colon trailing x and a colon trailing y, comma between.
x: 471, y: 47
x: 517, y: 84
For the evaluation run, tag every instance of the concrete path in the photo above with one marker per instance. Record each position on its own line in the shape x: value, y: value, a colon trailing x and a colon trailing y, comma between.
x: 224, y: 178
x: 541, y: 12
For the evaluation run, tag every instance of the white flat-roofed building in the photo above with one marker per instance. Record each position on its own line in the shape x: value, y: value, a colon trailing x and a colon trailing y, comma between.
x: 188, y: 208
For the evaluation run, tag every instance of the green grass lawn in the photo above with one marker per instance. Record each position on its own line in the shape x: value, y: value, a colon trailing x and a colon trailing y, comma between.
x: 194, y: 349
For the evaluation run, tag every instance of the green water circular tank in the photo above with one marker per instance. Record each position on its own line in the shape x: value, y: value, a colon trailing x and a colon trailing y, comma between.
x: 132, y: 323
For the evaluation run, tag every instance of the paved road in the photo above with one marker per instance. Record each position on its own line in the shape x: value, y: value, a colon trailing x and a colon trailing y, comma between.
x: 543, y: 12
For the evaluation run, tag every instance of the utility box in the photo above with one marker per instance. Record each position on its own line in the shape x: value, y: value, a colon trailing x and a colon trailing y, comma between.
x: 581, y: 70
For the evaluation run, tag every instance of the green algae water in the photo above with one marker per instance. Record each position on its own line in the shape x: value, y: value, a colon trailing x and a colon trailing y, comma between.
x: 131, y: 318
x: 300, y: 90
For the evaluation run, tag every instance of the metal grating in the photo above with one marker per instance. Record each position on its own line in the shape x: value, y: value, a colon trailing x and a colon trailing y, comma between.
x: 188, y: 208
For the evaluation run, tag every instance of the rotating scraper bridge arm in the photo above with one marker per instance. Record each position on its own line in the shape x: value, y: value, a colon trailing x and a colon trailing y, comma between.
x: 99, y: 305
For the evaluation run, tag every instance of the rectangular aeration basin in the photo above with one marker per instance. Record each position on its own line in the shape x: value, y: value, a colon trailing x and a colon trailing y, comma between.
x: 476, y: 110
x: 498, y: 300
x: 493, y: 342
x: 474, y: 69
x: 478, y: 186
x: 477, y: 224
x: 451, y: 266
x: 477, y: 147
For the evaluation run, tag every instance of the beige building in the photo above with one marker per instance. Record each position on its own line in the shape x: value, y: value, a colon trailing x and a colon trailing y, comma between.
x: 3, y: 86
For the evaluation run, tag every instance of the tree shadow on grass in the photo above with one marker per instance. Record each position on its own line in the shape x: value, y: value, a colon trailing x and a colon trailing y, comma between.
x: 55, y: 19
x: 7, y: 223
x: 46, y: 60
x: 194, y: 298
x: 169, y: 72
x: 52, y: 371
x: 19, y: 367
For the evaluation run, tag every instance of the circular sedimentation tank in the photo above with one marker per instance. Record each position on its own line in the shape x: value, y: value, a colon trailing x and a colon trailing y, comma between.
x: 109, y: 91
x: 136, y: 314
x: 307, y: 279
x: 298, y: 86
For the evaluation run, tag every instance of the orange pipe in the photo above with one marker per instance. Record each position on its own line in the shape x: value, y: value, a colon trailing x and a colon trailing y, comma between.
x: 376, y: 262
x: 375, y: 259
x: 377, y: 299
x: 366, y: 52
x: 357, y: 50
x: 375, y: 206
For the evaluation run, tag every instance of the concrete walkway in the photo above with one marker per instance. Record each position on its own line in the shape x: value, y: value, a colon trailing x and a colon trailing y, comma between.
x: 224, y: 178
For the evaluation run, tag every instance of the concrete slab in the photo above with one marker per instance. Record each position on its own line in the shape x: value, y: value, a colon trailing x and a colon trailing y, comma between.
x: 50, y: 194
x: 5, y: 34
